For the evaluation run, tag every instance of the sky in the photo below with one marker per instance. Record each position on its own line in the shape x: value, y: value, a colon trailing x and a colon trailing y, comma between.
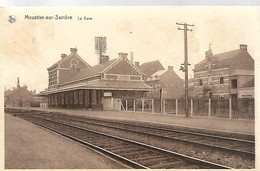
x: 29, y: 47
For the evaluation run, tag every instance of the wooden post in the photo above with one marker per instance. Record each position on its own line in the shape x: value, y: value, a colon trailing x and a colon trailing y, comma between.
x: 72, y: 98
x: 164, y: 106
x: 176, y: 106
x: 230, y: 108
x: 83, y: 99
x: 152, y: 105
x: 78, y: 99
x: 191, y: 107
x: 142, y: 105
x: 161, y: 105
x: 209, y: 111
x: 112, y: 103
x: 120, y: 103
x: 126, y: 107
x: 134, y: 105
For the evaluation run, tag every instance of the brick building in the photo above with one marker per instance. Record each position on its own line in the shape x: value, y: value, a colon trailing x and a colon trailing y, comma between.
x: 224, y: 75
x: 150, y: 68
x: 75, y: 84
x: 166, y: 83
x: 21, y: 97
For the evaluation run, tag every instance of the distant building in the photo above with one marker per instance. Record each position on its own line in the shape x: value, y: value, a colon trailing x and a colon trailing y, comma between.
x: 150, y: 68
x: 225, y: 75
x: 166, y: 83
x: 75, y: 84
x: 21, y: 97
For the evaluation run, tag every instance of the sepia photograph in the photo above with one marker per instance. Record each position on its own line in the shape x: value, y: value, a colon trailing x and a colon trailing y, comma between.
x: 120, y: 87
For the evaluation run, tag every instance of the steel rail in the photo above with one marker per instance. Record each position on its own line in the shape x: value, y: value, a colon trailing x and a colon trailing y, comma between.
x: 200, y: 162
x: 171, y: 138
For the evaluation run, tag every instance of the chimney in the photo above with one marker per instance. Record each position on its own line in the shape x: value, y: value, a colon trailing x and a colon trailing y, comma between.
x: 104, y: 59
x: 73, y: 50
x: 132, y: 57
x: 170, y: 68
x: 63, y: 55
x: 25, y: 87
x: 208, y: 53
x: 243, y: 47
x: 137, y: 64
x: 122, y: 55
x: 18, y: 82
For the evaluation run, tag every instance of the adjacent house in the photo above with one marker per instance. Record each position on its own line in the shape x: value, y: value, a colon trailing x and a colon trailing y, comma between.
x: 166, y: 83
x: 150, y: 68
x: 225, y: 75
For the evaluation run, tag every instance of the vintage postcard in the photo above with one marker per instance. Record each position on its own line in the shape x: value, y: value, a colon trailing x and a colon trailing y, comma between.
x: 162, y: 87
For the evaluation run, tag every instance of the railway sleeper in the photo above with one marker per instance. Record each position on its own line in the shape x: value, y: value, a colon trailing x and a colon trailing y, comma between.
x: 113, y: 147
x: 146, y: 157
x: 124, y: 149
x: 133, y: 156
x: 152, y: 161
x: 131, y: 153
x: 170, y: 164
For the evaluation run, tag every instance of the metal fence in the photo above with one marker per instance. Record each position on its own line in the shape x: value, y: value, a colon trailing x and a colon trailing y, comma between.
x: 223, y: 108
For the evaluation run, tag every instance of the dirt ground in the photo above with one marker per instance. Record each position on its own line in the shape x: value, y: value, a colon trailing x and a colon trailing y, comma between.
x: 28, y: 146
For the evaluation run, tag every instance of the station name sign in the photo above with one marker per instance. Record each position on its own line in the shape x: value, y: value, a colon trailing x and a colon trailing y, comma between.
x: 107, y: 94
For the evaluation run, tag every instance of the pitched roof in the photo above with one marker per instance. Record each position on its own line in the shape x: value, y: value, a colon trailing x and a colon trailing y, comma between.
x: 88, y: 72
x: 149, y: 68
x: 17, y: 90
x: 65, y: 58
x: 7, y: 92
x: 104, y: 85
x: 230, y: 59
x: 118, y: 85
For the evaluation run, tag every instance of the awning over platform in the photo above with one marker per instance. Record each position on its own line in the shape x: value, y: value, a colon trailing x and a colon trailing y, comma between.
x: 103, y: 85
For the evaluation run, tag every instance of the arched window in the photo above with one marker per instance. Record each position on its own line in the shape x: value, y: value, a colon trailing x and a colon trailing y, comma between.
x: 73, y: 63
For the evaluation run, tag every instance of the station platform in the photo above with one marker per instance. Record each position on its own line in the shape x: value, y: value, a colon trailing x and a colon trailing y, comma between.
x: 28, y: 146
x: 218, y: 124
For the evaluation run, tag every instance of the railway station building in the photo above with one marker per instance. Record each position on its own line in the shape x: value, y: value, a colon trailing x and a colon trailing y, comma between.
x: 73, y: 83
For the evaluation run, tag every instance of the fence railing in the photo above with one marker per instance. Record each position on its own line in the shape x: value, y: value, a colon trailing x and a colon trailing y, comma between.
x: 224, y: 108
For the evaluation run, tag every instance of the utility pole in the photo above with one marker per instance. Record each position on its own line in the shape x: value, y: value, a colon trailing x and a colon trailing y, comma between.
x: 185, y: 69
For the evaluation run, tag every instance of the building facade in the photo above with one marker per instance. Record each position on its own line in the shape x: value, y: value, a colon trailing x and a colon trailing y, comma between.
x: 223, y: 75
x: 166, y: 85
x: 150, y: 68
x: 21, y: 97
x: 96, y: 87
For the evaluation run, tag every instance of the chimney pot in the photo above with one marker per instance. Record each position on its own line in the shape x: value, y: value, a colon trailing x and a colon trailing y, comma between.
x: 73, y: 50
x: 122, y: 55
x: 137, y: 64
x: 104, y: 58
x: 170, y: 68
x: 243, y: 46
x: 63, y: 55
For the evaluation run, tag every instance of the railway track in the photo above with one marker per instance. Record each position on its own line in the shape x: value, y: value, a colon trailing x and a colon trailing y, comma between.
x: 232, y: 145
x: 132, y: 153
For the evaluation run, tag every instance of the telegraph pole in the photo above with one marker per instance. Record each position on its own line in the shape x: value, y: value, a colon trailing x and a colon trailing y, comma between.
x: 185, y: 69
